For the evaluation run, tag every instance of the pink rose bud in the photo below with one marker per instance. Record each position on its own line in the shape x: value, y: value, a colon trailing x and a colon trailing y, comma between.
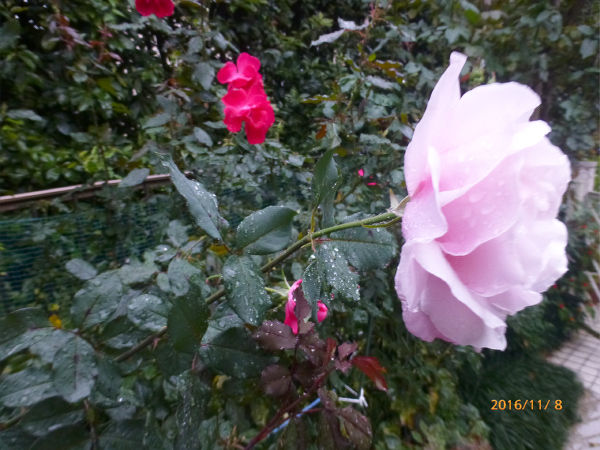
x: 482, y: 238
x: 160, y: 8
x: 361, y: 173
x: 290, y: 308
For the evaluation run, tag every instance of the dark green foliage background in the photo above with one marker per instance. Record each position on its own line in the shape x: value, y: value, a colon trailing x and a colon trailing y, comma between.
x: 90, y: 90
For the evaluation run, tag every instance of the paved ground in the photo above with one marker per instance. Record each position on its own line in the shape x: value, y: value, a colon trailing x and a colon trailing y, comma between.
x: 582, y: 356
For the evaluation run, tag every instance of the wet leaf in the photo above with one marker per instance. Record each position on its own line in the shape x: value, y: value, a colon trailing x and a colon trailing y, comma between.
x: 97, y: 300
x: 50, y: 415
x: 81, y: 269
x: 266, y: 231
x: 177, y: 233
x: 325, y: 180
x: 234, y: 353
x: 179, y: 273
x: 74, y: 369
x: 188, y: 320
x: 274, y: 335
x: 333, y: 264
x: 27, y: 387
x: 148, y: 312
x: 124, y: 435
x: 202, y: 204
x: 14, y: 325
x: 245, y: 289
x: 134, y: 178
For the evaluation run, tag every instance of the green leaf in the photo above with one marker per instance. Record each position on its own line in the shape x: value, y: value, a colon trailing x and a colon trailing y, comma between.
x: 365, y: 248
x: 133, y: 178
x: 179, y: 272
x: 234, y: 353
x: 157, y: 120
x: 326, y: 178
x: 9, y: 34
x: 588, y: 47
x: 245, y: 289
x: 81, y: 269
x: 333, y: 264
x: 190, y: 410
x: 266, y: 231
x: 45, y: 342
x: 27, y: 387
x: 14, y: 325
x: 204, y: 74
x: 49, y: 415
x: 177, y: 233
x: 124, y: 435
x: 74, y: 368
x: 24, y: 114
x: 15, y: 438
x: 136, y: 272
x: 203, y: 137
x: 68, y: 438
x: 312, y: 283
x: 148, y: 312
x: 202, y: 204
x: 108, y: 383
x: 221, y: 319
x: 97, y: 300
x: 170, y: 361
x: 188, y: 320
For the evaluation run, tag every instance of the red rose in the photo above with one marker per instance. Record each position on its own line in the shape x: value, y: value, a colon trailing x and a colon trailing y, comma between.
x: 246, y: 100
x: 160, y: 8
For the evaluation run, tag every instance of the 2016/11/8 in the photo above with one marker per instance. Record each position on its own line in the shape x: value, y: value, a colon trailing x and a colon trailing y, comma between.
x: 519, y: 405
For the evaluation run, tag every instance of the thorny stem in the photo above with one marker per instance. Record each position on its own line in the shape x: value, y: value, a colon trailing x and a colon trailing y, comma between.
x: 385, y: 217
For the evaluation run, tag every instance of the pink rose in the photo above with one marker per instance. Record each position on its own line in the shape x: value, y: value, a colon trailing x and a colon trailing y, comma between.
x: 252, y: 107
x: 482, y: 239
x: 160, y: 8
x: 242, y: 75
x: 246, y: 100
x: 290, y: 307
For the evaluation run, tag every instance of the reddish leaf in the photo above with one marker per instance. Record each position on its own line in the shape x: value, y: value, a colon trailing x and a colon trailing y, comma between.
x: 342, y: 366
x: 330, y: 350
x: 275, y: 335
x: 357, y: 426
x: 312, y: 346
x: 306, y: 374
x: 322, y: 132
x: 369, y: 365
x: 346, y: 349
x: 276, y: 380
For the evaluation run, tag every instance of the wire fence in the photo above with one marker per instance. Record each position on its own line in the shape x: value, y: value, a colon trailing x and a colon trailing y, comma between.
x: 34, y: 251
x: 105, y: 233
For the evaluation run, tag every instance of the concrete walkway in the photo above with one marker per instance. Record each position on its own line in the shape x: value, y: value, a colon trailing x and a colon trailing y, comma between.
x: 582, y: 355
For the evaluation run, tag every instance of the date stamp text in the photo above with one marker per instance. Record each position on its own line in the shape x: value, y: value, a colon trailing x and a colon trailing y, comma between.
x: 523, y: 405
